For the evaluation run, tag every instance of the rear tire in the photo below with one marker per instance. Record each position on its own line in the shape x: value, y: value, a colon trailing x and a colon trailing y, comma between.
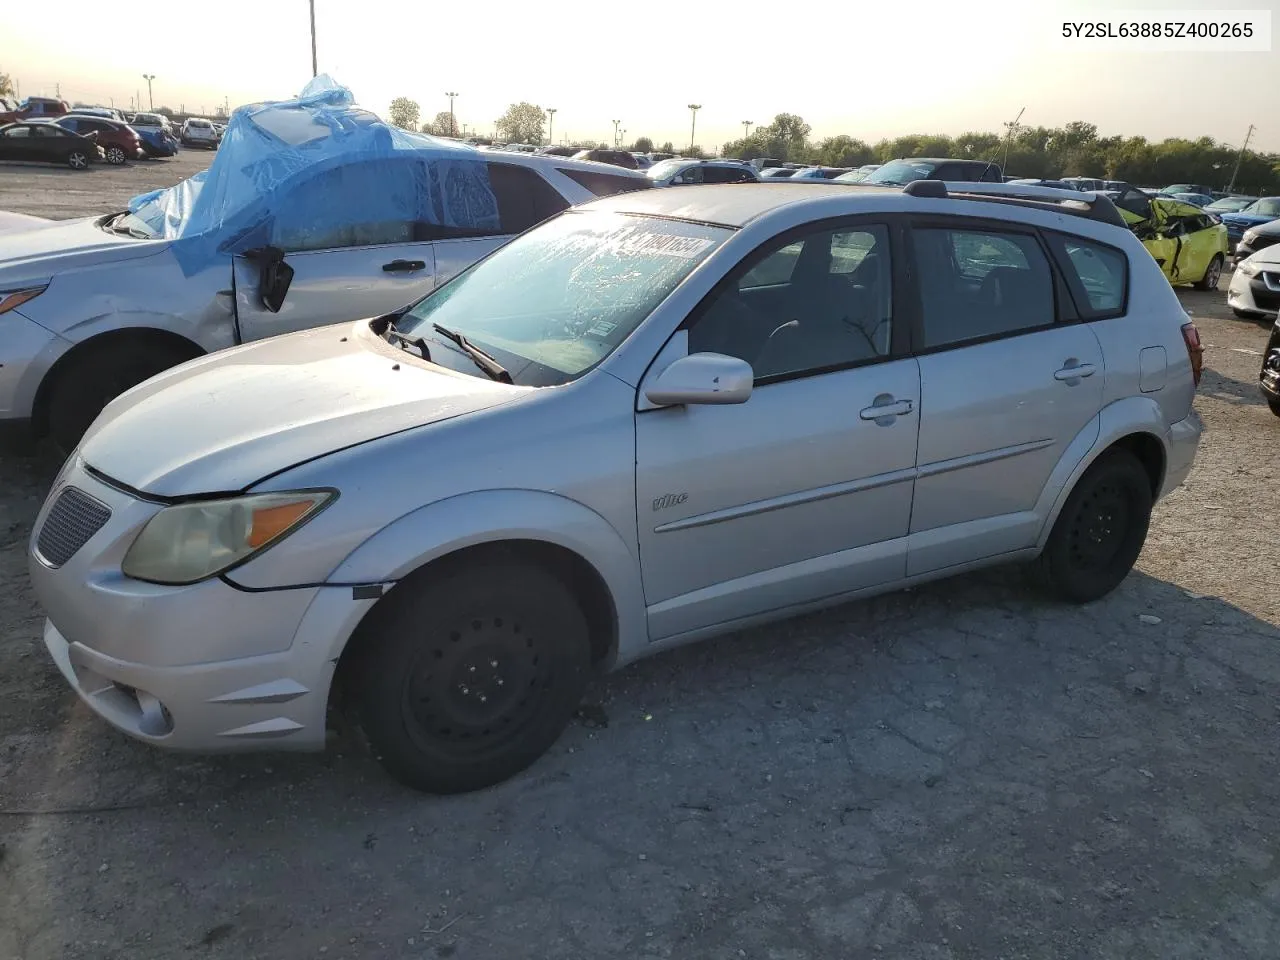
x: 1100, y: 531
x: 1212, y: 274
x: 93, y: 379
x: 1274, y: 405
x: 470, y: 677
x: 78, y: 160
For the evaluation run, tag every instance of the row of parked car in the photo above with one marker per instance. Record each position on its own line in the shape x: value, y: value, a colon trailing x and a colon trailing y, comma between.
x: 42, y: 129
x: 506, y: 445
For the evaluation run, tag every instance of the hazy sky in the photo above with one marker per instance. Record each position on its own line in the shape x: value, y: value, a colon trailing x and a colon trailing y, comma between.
x: 868, y: 69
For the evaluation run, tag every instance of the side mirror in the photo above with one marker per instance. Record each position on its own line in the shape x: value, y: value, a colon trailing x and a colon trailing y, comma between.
x: 702, y: 378
x: 274, y: 278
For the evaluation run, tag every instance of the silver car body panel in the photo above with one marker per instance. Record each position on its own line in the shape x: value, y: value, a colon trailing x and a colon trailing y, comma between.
x: 100, y: 283
x: 698, y: 520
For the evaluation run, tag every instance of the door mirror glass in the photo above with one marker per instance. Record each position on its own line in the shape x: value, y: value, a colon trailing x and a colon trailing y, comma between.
x: 702, y: 378
x: 274, y: 277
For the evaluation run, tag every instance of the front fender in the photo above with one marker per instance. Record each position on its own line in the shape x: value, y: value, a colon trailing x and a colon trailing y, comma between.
x: 1115, y: 421
x: 491, y: 516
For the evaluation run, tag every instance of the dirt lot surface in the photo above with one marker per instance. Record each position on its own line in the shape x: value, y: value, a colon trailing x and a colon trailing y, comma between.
x: 959, y: 771
x: 45, y: 190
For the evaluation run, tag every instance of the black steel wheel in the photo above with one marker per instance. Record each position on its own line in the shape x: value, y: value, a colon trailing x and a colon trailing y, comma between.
x: 466, y: 679
x: 1101, y: 529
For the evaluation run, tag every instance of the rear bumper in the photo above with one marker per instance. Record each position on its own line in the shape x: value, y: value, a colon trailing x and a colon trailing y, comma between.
x: 1184, y: 441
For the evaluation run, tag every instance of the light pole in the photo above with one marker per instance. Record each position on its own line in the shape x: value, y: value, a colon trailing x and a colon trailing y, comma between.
x: 693, y: 125
x: 551, y: 124
x: 746, y: 128
x: 453, y: 127
x: 615, y: 133
x: 150, y: 99
x: 315, y: 70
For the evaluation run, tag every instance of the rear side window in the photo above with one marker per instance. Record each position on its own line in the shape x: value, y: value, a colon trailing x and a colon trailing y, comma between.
x: 981, y: 284
x: 1097, y: 273
x: 604, y: 184
x: 524, y: 198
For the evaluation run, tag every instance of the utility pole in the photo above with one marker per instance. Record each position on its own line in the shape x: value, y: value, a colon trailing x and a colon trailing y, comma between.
x: 150, y: 99
x: 746, y: 128
x: 551, y: 124
x: 315, y: 69
x: 693, y: 125
x: 1244, y: 146
x: 453, y: 127
x: 57, y: 90
x: 1010, y: 129
x: 615, y: 133
x: 137, y: 99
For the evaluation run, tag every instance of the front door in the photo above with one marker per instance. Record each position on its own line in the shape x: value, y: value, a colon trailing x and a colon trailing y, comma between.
x: 1006, y: 385
x: 804, y: 491
x: 334, y: 285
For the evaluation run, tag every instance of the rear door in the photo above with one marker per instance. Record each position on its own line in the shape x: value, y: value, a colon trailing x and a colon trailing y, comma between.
x: 1009, y: 377
x: 524, y: 198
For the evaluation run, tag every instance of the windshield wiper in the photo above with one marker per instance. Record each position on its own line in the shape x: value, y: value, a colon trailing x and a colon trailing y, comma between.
x: 492, y: 367
x: 125, y: 231
x: 407, y: 340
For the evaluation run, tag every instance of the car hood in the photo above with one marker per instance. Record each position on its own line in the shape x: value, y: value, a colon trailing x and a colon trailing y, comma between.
x: 226, y: 421
x: 36, y: 252
x: 1245, y: 219
x: 1268, y: 257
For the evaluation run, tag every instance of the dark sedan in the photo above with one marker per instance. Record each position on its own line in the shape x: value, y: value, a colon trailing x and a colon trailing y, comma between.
x: 48, y: 143
x: 1258, y: 238
x: 119, y: 141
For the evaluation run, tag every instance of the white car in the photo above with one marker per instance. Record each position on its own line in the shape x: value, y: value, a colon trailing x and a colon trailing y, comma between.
x: 198, y: 132
x: 151, y: 121
x: 91, y: 307
x: 1255, y: 285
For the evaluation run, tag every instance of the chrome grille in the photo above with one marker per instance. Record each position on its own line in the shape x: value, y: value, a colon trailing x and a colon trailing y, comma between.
x: 74, y: 518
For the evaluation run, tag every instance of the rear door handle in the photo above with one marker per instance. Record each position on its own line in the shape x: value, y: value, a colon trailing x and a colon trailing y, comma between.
x: 404, y: 266
x: 1078, y: 372
x: 885, y: 409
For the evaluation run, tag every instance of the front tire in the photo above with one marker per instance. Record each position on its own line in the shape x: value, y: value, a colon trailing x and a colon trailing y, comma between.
x: 93, y: 379
x: 1100, y: 531
x: 1274, y: 404
x: 1212, y: 274
x: 468, y: 678
x: 116, y: 156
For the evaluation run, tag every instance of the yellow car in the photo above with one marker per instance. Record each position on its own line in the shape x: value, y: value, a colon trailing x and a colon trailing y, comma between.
x: 1190, y: 245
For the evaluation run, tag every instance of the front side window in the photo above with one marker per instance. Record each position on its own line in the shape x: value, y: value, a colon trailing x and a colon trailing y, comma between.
x: 556, y: 301
x: 827, y: 303
x: 296, y: 227
x: 976, y: 284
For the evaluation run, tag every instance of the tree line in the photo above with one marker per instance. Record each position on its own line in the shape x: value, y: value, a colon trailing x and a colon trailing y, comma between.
x: 1045, y: 152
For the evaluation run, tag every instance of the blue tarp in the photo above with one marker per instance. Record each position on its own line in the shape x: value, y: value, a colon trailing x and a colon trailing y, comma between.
x: 316, y: 172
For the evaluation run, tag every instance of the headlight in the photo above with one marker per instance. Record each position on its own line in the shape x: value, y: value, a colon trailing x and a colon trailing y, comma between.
x: 1249, y: 236
x: 12, y: 299
x: 189, y: 542
x: 1248, y: 268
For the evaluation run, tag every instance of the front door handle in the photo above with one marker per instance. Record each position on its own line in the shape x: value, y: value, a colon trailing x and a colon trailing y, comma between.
x: 1076, y: 373
x: 404, y: 266
x: 884, y: 409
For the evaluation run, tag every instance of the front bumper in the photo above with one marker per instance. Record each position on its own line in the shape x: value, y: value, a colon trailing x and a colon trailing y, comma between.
x: 1258, y: 295
x: 205, y: 667
x: 27, y: 351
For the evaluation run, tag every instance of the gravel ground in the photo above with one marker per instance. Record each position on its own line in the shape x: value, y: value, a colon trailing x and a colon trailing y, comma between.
x: 958, y: 771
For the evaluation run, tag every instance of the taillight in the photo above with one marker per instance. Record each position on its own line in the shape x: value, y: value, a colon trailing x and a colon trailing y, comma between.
x: 1195, y: 352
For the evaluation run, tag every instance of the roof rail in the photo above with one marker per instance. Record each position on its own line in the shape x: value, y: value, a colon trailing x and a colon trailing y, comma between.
x: 1089, y: 205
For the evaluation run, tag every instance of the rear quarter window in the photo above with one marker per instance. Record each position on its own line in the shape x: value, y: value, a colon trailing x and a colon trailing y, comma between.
x: 1097, y: 274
